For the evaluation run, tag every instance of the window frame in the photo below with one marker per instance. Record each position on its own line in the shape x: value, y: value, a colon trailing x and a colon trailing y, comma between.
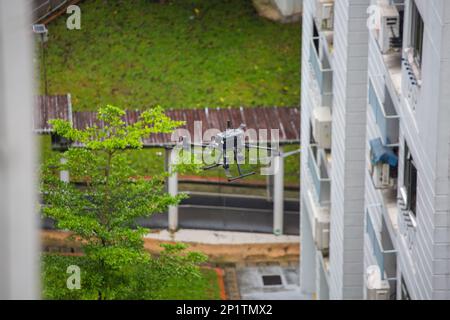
x: 316, y: 37
x: 410, y: 181
x: 417, y: 34
x: 404, y: 290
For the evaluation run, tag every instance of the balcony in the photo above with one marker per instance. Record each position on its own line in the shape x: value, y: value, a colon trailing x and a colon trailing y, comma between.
x: 390, y: 204
x: 322, y: 72
x: 317, y: 165
x: 385, y: 116
x: 389, y: 39
x: 382, y: 250
x: 393, y: 65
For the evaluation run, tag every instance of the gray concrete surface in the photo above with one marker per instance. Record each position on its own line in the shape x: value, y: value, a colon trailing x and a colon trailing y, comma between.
x: 251, y: 285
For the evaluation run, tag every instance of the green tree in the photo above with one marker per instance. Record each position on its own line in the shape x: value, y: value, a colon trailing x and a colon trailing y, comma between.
x: 101, y: 210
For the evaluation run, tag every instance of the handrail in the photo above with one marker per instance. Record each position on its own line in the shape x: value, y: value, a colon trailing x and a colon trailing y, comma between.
x: 318, y: 68
x: 317, y: 55
x: 378, y: 108
x: 377, y: 247
x: 321, y: 184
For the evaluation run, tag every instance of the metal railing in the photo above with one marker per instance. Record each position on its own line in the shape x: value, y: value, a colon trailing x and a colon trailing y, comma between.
x: 386, y: 118
x: 323, y: 75
x: 383, y: 257
x: 319, y: 173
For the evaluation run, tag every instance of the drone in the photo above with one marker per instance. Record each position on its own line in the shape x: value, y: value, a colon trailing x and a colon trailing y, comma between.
x: 232, y: 140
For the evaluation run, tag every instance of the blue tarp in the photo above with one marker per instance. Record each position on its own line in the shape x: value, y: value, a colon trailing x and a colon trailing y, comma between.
x: 382, y: 154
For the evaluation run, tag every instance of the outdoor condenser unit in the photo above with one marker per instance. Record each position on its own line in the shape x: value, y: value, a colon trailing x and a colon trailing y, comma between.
x: 376, y: 288
x: 382, y: 177
x: 322, y: 233
x: 324, y: 13
x: 389, y: 33
x: 322, y: 127
x: 378, y: 294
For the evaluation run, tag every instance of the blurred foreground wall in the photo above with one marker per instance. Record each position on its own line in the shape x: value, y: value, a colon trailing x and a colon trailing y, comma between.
x: 19, y: 248
x: 279, y: 10
x: 289, y: 7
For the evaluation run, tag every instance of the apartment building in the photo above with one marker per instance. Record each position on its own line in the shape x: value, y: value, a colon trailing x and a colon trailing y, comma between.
x: 375, y: 220
x: 407, y: 177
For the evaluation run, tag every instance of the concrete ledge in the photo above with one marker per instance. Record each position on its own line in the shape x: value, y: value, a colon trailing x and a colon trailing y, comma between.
x: 231, y: 247
x: 221, y: 237
x: 221, y: 247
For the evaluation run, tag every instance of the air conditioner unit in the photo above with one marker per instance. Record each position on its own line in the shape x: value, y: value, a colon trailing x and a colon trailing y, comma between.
x: 322, y: 127
x: 382, y: 176
x: 389, y: 34
x: 325, y: 14
x: 322, y: 233
x: 377, y: 289
x: 378, y: 294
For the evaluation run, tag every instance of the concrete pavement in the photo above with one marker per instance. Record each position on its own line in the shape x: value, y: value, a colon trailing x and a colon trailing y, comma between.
x: 221, y: 237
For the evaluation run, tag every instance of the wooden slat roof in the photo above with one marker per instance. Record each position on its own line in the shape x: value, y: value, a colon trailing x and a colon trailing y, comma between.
x: 286, y: 119
x: 50, y: 107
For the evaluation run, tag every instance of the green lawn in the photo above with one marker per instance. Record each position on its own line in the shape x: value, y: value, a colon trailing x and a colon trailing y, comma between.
x: 54, y: 283
x: 204, y: 288
x: 196, y: 53
x: 184, y: 54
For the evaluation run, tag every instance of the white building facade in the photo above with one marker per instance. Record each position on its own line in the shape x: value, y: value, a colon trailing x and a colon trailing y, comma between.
x: 375, y: 221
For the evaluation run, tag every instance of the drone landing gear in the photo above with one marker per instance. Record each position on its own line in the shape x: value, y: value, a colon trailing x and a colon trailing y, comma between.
x: 241, y: 174
x: 213, y: 166
x: 226, y: 167
x: 230, y: 177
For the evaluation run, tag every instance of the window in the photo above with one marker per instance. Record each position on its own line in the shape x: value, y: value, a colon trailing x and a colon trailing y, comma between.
x: 316, y: 37
x: 312, y: 140
x: 393, y: 173
x: 405, y: 292
x: 402, y: 21
x: 410, y: 181
x: 417, y: 33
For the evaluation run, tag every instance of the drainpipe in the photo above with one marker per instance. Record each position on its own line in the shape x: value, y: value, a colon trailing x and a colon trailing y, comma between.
x: 278, y: 193
x: 172, y: 189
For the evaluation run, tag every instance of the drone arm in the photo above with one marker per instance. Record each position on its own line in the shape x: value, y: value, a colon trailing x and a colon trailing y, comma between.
x: 252, y: 146
x: 272, y: 150
x: 200, y: 145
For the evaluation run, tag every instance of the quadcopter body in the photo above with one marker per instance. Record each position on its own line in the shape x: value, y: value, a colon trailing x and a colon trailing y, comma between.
x: 229, y: 147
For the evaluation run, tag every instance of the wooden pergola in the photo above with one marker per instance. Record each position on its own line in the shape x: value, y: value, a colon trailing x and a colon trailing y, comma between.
x: 284, y: 119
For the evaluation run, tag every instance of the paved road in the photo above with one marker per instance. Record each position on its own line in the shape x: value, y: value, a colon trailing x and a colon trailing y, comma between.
x: 225, y: 213
x: 229, y: 213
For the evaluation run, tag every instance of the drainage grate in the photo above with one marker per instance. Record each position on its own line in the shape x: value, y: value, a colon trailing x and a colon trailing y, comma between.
x: 274, y: 280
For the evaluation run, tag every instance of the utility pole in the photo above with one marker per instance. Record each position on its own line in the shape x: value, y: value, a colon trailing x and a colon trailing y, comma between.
x: 42, y: 31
